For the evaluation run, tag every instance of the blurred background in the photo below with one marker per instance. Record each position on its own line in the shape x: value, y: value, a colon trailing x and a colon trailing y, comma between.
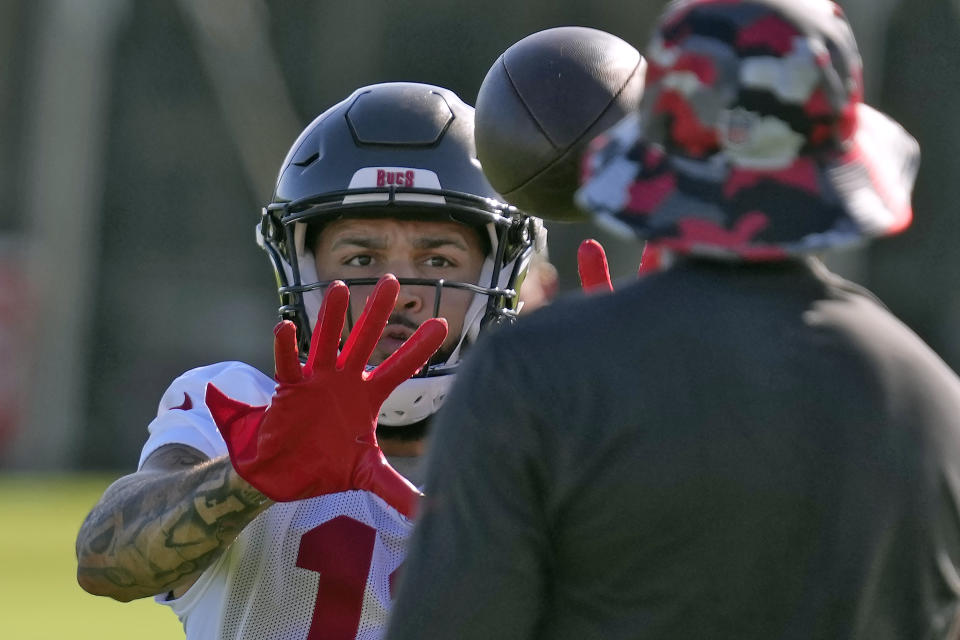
x: 139, y: 139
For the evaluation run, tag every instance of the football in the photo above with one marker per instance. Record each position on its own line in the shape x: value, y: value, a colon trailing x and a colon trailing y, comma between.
x: 539, y: 106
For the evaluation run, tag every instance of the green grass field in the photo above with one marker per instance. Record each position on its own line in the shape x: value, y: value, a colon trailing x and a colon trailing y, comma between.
x: 39, y: 518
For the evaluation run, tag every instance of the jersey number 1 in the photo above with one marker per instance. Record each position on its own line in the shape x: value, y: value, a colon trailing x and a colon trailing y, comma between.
x: 341, y: 551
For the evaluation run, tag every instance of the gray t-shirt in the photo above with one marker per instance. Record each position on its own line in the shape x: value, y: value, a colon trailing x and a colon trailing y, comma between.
x: 717, y: 451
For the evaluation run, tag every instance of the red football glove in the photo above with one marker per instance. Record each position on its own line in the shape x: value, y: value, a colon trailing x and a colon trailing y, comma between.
x: 593, y: 269
x: 318, y: 435
x: 592, y: 265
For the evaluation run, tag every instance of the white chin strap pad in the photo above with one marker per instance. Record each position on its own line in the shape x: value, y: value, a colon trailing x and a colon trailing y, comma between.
x: 414, y: 400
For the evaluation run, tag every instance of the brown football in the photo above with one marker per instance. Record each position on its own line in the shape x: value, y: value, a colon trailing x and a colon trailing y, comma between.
x: 539, y: 106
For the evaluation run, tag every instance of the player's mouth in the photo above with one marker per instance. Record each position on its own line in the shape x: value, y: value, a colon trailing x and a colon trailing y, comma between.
x: 393, y: 336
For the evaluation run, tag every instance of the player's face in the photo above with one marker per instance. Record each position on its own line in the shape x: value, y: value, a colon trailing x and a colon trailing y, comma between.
x: 372, y: 247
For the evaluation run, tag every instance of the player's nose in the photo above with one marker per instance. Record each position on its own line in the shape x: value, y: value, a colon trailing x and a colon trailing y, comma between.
x: 410, y: 299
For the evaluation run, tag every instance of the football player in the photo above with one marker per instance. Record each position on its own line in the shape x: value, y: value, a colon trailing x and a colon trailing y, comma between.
x: 263, y: 542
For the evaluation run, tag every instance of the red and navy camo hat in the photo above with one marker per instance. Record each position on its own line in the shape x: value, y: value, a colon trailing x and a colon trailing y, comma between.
x: 752, y: 141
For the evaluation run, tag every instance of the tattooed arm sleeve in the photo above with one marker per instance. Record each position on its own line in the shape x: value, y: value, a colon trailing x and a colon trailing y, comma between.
x: 156, y: 530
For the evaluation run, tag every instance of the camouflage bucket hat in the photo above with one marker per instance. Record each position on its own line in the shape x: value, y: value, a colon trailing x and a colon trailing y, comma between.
x: 752, y: 141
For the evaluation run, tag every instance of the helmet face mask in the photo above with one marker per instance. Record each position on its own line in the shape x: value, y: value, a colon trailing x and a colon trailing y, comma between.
x: 400, y: 151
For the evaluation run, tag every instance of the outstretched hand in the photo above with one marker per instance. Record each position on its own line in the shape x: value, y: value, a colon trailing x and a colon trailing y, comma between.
x: 318, y: 435
x: 595, y: 273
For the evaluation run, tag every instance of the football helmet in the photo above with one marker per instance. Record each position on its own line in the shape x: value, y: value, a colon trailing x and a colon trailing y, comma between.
x: 399, y: 150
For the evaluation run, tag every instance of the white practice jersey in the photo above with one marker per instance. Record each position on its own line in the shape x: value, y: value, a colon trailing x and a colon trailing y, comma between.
x: 317, y: 568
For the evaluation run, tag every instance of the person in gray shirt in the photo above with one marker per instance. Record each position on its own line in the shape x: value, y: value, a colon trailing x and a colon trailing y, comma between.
x: 742, y: 445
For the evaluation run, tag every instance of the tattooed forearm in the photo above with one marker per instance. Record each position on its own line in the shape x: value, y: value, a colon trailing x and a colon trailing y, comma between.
x: 158, y: 529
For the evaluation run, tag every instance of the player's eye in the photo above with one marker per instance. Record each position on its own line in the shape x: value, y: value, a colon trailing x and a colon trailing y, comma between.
x: 438, y: 262
x: 362, y: 260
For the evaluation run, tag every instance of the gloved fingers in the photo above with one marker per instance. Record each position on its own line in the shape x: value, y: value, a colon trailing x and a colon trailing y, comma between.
x: 592, y: 265
x: 325, y: 340
x: 366, y: 333
x: 407, y: 360
x: 650, y: 260
x: 286, y: 356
